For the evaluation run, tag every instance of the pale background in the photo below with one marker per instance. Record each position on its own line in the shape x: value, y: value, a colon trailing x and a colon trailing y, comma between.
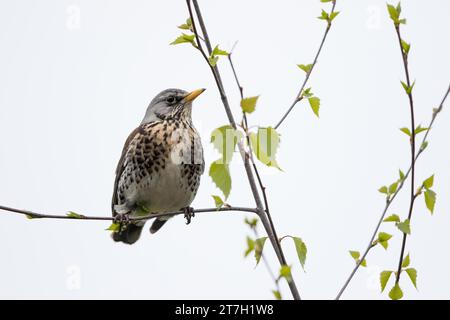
x: 76, y: 78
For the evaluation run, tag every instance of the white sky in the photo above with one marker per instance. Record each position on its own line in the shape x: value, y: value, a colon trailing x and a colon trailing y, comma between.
x: 71, y: 91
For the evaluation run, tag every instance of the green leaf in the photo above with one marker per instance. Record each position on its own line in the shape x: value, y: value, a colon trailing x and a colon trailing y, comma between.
x: 187, y: 25
x: 307, y: 93
x: 384, y: 278
x: 424, y: 145
x: 363, y: 263
x: 333, y: 15
x: 326, y: 0
x: 259, y: 246
x: 285, y: 272
x: 412, y: 273
x: 250, y: 246
x: 248, y: 105
x: 428, y: 183
x: 301, y: 249
x: 393, y: 13
x: 74, y: 215
x: 305, y: 67
x: 355, y: 254
x: 405, y: 46
x: 251, y: 223
x: 404, y: 226
x: 276, y: 294
x: 406, y: 261
x: 224, y: 140
x: 419, y: 129
x: 406, y: 131
x: 220, y: 174
x: 265, y: 145
x: 392, y: 218
x: 184, y: 38
x: 323, y: 15
x: 219, y: 52
x: 393, y: 187
x: 408, y: 89
x: 402, y: 21
x: 213, y: 60
x: 430, y: 199
x: 401, y: 175
x: 383, y: 239
x: 113, y: 227
x: 396, y: 293
x: 218, y: 201
x: 383, y: 189
x: 314, y: 102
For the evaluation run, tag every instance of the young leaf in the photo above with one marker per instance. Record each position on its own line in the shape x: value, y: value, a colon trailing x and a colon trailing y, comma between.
x: 265, y: 145
x: 113, y: 227
x: 405, y: 46
x: 396, y: 292
x: 393, y: 13
x: 184, y: 38
x: 412, y: 273
x: 404, y: 226
x: 259, y: 246
x: 307, y: 93
x: 248, y: 105
x: 383, y: 189
x: 314, y: 102
x: 285, y: 272
x: 276, y: 294
x: 224, y: 140
x: 406, y: 261
x: 218, y: 52
x: 251, y: 223
x: 74, y: 215
x: 220, y: 174
x: 301, y: 249
x: 392, y: 218
x: 213, y: 60
x: 218, y: 201
x: 323, y: 15
x: 355, y: 254
x: 406, y: 131
x: 430, y: 200
x: 187, y: 25
x: 250, y: 246
x: 384, y: 278
x: 419, y: 129
x: 333, y: 15
x: 383, y: 236
x: 428, y: 183
x: 305, y: 67
x: 393, y: 187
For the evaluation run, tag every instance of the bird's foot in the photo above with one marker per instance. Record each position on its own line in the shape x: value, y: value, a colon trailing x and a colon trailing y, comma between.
x: 122, y: 218
x: 188, y: 214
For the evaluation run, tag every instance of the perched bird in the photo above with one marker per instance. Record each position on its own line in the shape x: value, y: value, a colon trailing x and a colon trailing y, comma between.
x: 160, y: 166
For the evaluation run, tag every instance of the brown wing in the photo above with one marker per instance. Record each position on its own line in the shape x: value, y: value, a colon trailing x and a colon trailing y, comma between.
x: 120, y: 165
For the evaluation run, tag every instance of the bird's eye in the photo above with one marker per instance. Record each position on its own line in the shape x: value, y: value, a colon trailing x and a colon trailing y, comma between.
x: 170, y: 99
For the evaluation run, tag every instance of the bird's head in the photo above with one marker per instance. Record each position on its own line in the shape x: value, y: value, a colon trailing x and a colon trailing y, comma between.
x: 171, y: 104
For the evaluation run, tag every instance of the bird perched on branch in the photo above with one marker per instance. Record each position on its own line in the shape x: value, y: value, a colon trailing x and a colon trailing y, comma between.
x: 160, y: 167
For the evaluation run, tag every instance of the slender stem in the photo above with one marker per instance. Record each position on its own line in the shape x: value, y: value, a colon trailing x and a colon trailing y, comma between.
x: 299, y: 97
x: 244, y: 155
x: 413, y: 149
x: 391, y: 199
x: 36, y: 215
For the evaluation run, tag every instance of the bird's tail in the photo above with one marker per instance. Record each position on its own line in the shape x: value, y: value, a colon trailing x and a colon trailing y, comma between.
x: 129, y: 234
x: 157, y: 224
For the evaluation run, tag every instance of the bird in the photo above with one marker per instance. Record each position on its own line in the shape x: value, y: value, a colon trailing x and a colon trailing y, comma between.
x: 160, y: 166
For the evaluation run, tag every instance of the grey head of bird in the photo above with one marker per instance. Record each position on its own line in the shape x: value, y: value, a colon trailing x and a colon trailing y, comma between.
x: 173, y: 104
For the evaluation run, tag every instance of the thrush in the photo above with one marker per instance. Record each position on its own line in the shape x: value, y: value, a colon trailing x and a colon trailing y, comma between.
x: 160, y: 166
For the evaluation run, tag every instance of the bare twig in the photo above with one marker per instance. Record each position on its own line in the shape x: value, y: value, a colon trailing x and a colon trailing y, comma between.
x: 391, y: 199
x: 299, y: 96
x: 36, y: 215
x: 244, y: 155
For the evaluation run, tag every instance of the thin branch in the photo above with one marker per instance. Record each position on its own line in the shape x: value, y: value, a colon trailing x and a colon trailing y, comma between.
x: 36, y: 215
x: 391, y: 199
x: 413, y: 149
x: 270, y: 232
x: 299, y: 96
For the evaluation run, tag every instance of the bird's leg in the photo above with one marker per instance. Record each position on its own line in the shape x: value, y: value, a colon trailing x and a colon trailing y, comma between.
x: 188, y: 214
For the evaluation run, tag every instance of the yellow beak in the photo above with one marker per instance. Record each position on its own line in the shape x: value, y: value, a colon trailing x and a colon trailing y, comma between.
x: 192, y: 95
